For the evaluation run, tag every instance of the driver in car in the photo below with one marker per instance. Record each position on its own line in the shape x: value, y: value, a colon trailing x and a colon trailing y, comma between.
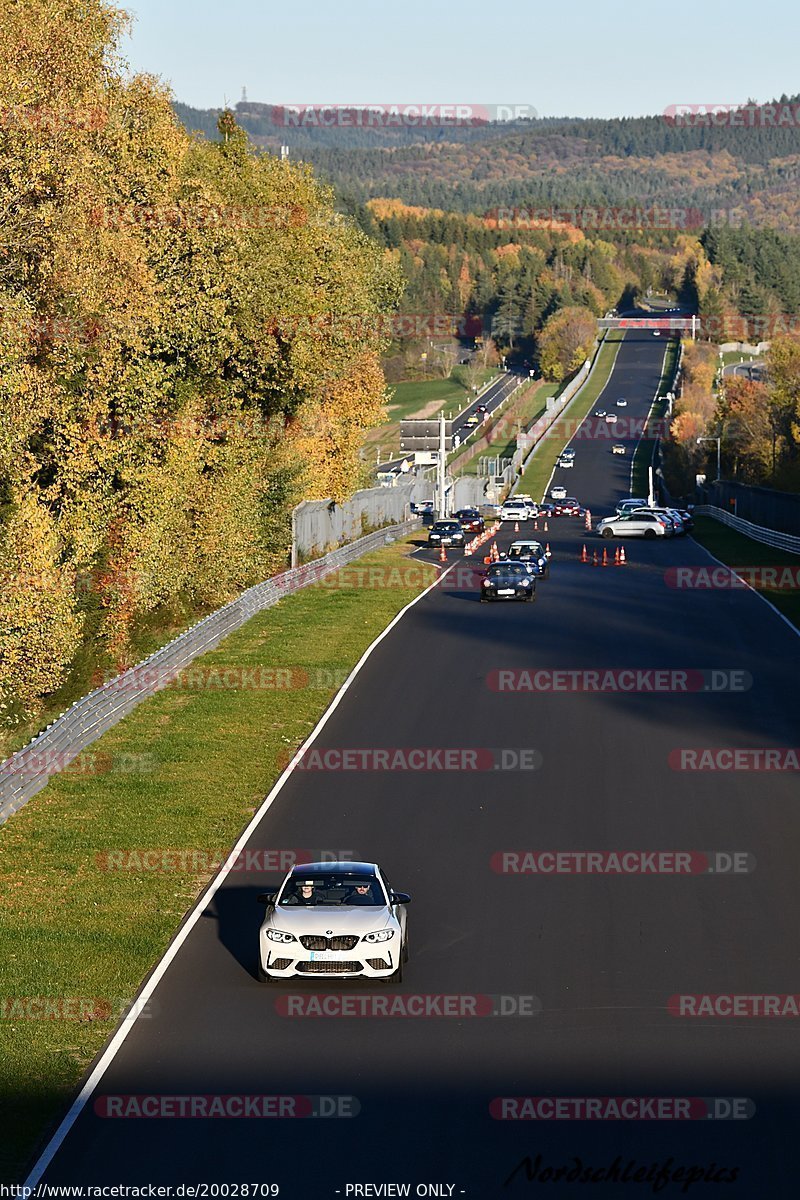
x: 360, y: 894
x: 305, y: 894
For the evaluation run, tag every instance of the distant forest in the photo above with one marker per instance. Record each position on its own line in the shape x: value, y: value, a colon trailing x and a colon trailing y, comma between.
x: 750, y: 171
x: 435, y: 199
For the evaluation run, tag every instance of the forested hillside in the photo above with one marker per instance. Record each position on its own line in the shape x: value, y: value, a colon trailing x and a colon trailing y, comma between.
x: 746, y: 167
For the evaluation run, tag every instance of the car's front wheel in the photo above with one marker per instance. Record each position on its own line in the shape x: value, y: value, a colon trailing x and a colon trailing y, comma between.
x: 608, y: 532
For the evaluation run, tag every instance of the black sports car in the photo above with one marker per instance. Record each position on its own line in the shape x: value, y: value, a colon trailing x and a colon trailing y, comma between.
x: 508, y: 581
x: 446, y: 533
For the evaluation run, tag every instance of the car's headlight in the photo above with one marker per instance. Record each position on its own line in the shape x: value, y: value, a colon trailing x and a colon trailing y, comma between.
x: 277, y: 935
x: 382, y: 935
x: 525, y: 582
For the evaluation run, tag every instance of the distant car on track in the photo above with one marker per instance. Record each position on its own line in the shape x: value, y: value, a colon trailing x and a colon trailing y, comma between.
x: 610, y: 417
x: 533, y: 555
x: 470, y: 519
x: 528, y: 501
x: 446, y: 533
x: 558, y: 492
x: 337, y: 918
x: 601, y: 412
x: 622, y: 403
x: 568, y: 507
x: 515, y: 510
x: 629, y: 504
x: 618, y: 448
x: 508, y: 581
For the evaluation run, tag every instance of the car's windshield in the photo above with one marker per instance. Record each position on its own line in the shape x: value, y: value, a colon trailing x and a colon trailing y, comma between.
x: 508, y: 570
x: 445, y: 526
x: 334, y: 890
x: 525, y: 552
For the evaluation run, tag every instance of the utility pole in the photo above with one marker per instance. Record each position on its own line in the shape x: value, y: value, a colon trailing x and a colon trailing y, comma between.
x: 441, y: 465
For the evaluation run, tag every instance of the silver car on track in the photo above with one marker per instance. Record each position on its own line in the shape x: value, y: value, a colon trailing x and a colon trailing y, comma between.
x: 335, y: 918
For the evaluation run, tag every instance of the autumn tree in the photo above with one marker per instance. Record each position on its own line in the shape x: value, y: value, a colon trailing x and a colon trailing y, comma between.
x: 566, y: 341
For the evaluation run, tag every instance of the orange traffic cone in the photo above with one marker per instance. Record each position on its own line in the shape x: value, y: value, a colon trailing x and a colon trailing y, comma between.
x: 516, y: 527
x: 622, y: 559
x: 605, y: 557
x: 442, y: 553
x: 547, y: 548
x: 595, y: 559
x: 536, y: 525
x: 546, y: 527
x: 587, y: 522
x: 616, y: 557
x: 495, y: 555
x: 584, y: 555
x: 467, y: 548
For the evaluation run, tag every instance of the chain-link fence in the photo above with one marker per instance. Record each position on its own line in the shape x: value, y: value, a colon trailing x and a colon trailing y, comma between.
x: 28, y: 771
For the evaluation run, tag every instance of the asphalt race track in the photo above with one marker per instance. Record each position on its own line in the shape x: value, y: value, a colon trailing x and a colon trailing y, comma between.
x: 602, y: 954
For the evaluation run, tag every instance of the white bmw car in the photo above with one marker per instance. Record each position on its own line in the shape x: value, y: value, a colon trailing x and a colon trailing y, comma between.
x: 338, y: 918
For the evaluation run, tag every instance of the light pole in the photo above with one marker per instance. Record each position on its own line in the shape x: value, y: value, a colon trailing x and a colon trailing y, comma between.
x: 718, y: 440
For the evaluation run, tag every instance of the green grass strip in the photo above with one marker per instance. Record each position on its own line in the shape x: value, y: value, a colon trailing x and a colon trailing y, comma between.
x: 543, y: 459
x: 643, y: 455
x: 184, y: 772
x: 736, y: 550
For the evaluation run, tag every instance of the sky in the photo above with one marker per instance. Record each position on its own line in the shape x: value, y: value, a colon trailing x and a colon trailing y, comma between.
x: 561, y: 59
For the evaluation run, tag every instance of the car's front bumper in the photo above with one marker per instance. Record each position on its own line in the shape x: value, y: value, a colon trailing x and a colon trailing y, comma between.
x: 287, y: 962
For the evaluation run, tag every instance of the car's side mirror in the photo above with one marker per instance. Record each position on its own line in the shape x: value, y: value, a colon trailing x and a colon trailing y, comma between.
x: 268, y: 897
x: 401, y: 898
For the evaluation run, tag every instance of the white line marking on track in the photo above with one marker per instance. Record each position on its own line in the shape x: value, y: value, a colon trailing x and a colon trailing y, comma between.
x: 107, y: 1056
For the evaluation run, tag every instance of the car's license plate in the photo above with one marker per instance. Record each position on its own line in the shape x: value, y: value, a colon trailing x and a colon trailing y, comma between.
x: 505, y: 591
x: 324, y: 955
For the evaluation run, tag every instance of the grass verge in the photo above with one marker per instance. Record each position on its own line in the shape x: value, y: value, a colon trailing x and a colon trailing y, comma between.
x: 643, y: 455
x: 409, y: 398
x: 186, y: 770
x: 736, y: 550
x: 543, y: 459
x: 528, y: 409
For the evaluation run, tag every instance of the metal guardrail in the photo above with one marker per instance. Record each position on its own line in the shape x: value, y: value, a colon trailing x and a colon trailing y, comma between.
x: 770, y: 537
x: 28, y: 770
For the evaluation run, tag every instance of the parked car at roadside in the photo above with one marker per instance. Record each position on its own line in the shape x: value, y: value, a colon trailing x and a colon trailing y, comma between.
x: 633, y: 524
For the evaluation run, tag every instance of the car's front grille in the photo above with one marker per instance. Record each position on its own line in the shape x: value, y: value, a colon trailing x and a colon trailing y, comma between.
x: 280, y: 964
x: 378, y: 964
x: 343, y: 943
x: 329, y: 968
x: 319, y: 942
x: 314, y: 943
